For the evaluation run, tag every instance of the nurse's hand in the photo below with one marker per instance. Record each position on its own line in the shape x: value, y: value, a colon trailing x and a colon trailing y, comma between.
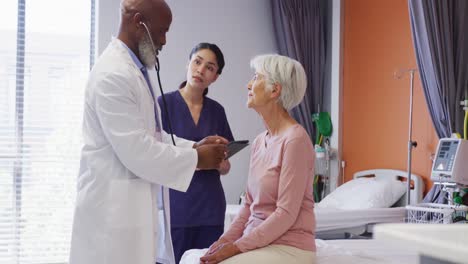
x: 225, y: 251
x: 210, y: 156
x: 211, y: 140
x: 224, y: 167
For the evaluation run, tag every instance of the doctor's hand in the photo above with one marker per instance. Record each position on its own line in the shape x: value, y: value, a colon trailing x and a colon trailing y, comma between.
x: 224, y: 251
x: 210, y: 156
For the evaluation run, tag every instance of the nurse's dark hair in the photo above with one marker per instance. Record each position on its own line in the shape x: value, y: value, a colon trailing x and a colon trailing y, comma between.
x: 219, y: 59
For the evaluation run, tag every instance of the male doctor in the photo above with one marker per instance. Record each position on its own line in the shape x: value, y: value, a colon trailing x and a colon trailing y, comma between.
x: 119, y: 216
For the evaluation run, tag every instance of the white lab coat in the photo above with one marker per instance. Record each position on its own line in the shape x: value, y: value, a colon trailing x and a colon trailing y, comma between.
x: 117, y: 219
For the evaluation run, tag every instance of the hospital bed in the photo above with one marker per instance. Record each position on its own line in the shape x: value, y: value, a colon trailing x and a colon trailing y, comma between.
x: 351, y: 211
x: 400, y: 243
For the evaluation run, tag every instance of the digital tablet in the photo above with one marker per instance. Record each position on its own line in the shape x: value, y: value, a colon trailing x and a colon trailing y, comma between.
x: 236, y: 146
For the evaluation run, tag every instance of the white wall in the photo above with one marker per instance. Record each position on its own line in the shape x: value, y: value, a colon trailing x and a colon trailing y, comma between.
x: 336, y: 111
x: 242, y: 29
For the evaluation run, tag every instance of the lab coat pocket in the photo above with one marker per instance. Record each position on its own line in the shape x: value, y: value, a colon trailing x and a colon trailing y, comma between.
x: 130, y: 204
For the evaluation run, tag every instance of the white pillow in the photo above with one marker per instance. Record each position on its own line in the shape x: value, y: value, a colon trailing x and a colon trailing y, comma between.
x: 364, y: 193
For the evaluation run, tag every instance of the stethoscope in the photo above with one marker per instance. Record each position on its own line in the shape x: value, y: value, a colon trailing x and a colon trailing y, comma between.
x: 157, y: 67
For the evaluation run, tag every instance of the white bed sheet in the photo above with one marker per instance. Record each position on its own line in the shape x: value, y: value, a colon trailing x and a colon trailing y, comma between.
x: 362, y: 251
x: 337, y: 219
x: 332, y: 219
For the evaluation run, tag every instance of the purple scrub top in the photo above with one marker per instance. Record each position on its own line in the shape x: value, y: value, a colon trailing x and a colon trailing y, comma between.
x: 204, y: 202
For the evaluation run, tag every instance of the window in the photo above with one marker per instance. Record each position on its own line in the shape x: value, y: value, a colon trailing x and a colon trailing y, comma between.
x: 45, y: 56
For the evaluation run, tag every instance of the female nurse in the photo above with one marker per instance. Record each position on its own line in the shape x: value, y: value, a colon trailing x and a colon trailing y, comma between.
x: 197, y: 216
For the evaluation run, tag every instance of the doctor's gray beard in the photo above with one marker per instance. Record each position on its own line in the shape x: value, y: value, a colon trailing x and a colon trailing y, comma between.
x: 147, y: 52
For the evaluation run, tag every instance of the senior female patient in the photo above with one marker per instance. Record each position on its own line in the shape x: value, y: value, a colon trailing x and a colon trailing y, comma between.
x: 277, y: 223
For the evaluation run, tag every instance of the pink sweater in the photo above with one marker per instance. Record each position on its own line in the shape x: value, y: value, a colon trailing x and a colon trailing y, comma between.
x: 279, y: 207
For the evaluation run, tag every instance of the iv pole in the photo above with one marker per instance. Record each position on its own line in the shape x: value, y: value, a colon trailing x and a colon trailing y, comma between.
x: 411, y: 144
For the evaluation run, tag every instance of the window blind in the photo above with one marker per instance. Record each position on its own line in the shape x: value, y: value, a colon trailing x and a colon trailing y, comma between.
x: 45, y: 55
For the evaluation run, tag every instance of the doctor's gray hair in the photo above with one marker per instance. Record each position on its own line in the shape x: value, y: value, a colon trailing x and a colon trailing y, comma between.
x: 285, y: 71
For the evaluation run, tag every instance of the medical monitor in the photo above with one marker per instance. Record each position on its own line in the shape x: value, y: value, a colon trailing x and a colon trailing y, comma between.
x: 451, y: 161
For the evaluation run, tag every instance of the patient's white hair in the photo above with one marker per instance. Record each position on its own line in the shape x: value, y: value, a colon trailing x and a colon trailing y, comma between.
x: 285, y: 71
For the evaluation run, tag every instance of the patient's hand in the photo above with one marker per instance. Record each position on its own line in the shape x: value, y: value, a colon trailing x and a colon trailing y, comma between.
x: 220, y: 252
x: 214, y: 247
